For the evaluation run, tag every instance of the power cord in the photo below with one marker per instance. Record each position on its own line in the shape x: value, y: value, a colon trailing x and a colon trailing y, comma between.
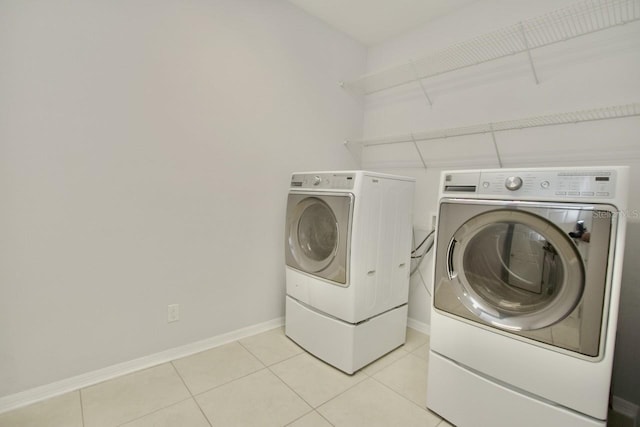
x: 419, y: 258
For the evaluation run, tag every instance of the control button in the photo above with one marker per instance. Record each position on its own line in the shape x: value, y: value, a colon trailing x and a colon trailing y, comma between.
x: 573, y: 193
x: 317, y: 180
x: 587, y: 193
x: 561, y: 193
x: 513, y: 183
x: 486, y: 184
x: 545, y: 184
x: 604, y: 193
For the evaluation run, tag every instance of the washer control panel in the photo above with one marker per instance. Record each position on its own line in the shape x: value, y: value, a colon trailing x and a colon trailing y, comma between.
x: 532, y: 183
x: 325, y: 181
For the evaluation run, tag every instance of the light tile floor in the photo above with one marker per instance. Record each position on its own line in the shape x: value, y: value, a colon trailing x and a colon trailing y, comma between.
x: 263, y: 380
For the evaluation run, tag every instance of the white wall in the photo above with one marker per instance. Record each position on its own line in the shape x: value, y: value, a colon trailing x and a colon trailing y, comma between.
x: 598, y: 70
x: 145, y: 154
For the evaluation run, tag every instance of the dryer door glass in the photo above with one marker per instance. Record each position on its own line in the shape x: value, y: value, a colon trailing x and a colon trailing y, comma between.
x: 314, y: 236
x: 318, y: 232
x: 515, y: 269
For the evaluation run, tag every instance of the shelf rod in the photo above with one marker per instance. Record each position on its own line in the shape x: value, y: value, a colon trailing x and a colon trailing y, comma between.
x: 612, y: 112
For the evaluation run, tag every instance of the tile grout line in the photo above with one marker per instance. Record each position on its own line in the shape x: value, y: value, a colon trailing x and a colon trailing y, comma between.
x: 148, y: 413
x: 251, y: 353
x: 268, y: 367
x: 391, y: 363
x: 191, y: 394
x: 342, y: 392
x: 181, y: 379
x: 290, y: 388
x: 279, y: 361
x: 370, y: 376
x: 265, y: 367
x: 310, y: 412
x: 313, y: 408
x: 323, y: 417
x: 202, y: 412
x: 286, y: 358
x: 81, y: 407
x: 226, y: 382
x: 153, y: 412
x: 424, y: 408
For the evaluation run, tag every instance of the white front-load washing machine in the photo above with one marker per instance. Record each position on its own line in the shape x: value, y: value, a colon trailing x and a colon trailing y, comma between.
x: 525, y: 302
x: 347, y: 251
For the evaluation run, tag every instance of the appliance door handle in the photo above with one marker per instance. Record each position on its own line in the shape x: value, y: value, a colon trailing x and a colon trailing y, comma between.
x: 450, y: 270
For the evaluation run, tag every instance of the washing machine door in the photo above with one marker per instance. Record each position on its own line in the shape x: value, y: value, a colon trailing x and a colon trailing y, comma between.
x: 515, y: 270
x: 526, y: 269
x: 317, y: 234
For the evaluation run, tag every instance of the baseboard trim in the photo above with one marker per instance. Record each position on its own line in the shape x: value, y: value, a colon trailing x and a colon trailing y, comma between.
x: 626, y: 408
x: 27, y: 397
x: 425, y: 328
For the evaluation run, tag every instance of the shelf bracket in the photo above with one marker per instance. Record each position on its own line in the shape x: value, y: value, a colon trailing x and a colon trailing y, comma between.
x: 357, y: 156
x: 495, y: 144
x: 526, y: 46
x: 415, y: 144
x: 419, y: 80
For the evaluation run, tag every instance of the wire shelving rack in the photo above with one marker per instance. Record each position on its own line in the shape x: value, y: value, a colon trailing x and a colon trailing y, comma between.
x: 577, y: 20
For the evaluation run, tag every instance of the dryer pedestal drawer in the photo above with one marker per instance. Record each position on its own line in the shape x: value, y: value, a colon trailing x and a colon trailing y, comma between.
x: 346, y: 346
x: 467, y: 399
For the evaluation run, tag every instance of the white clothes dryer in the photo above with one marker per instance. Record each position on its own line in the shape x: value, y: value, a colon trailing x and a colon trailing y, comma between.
x: 525, y: 303
x: 347, y: 251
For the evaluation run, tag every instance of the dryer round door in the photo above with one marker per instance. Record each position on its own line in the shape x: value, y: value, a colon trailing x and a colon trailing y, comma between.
x: 317, y: 234
x: 515, y: 270
x: 315, y: 239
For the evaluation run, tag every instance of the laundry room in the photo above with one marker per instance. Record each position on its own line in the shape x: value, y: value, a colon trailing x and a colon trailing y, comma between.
x: 152, y: 158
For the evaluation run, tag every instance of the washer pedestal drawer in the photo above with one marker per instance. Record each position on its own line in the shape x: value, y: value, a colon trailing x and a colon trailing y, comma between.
x: 346, y: 346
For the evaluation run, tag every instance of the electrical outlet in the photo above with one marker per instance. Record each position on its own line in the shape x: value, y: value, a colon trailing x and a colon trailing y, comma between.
x: 173, y: 313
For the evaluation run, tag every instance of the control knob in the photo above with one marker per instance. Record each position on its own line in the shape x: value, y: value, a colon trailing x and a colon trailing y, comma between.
x: 513, y: 183
x: 317, y: 180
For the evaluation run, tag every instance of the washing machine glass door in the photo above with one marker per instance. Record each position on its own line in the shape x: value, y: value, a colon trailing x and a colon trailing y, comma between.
x: 318, y: 229
x: 515, y: 270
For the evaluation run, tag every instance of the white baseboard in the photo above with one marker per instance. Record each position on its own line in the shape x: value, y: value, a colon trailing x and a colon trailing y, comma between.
x: 57, y: 388
x: 425, y: 328
x: 626, y: 408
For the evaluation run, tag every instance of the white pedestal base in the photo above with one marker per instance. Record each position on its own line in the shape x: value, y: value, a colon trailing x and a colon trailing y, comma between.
x: 346, y: 346
x: 467, y: 399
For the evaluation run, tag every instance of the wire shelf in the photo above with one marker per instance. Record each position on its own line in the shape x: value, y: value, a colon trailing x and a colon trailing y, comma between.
x: 612, y: 112
x: 563, y: 24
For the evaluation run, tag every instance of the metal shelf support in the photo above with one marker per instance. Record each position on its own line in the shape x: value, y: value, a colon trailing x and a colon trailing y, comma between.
x: 419, y: 80
x: 415, y: 144
x: 495, y: 145
x: 526, y: 46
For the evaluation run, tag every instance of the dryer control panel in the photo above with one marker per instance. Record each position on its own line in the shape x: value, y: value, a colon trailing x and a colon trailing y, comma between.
x: 324, y: 181
x: 542, y: 184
